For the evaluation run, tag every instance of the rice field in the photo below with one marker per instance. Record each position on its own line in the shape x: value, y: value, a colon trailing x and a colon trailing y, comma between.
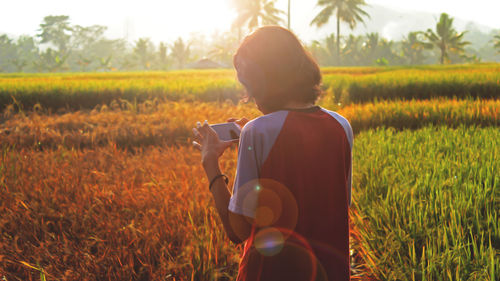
x: 346, y: 85
x: 427, y: 203
x: 147, y: 124
x: 98, y: 180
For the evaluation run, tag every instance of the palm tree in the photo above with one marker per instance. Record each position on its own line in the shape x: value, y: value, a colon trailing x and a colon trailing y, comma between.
x: 325, y: 50
x: 223, y: 48
x: 352, y: 50
x: 348, y: 11
x: 413, y: 47
x: 51, y: 61
x: 497, y: 42
x: 105, y: 63
x: 254, y: 13
x: 385, y: 53
x: 371, y: 47
x: 446, y: 38
x: 330, y: 48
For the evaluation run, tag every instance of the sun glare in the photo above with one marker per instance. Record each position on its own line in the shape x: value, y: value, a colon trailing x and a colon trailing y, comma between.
x: 158, y: 20
x: 173, y: 19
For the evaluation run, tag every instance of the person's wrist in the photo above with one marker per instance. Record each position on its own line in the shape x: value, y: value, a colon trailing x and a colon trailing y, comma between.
x: 209, y: 160
x: 211, y: 166
x: 217, y: 177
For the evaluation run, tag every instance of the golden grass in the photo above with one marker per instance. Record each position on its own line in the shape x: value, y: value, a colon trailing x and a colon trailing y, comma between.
x: 171, y: 122
x: 107, y: 214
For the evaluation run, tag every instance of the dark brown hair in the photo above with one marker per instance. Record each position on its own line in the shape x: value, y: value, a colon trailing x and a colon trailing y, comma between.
x: 275, y: 68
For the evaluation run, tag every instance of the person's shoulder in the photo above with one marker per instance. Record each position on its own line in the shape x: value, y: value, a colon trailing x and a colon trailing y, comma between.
x: 264, y: 123
x: 337, y: 116
x: 343, y: 122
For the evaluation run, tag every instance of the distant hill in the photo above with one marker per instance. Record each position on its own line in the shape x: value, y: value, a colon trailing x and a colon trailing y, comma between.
x: 395, y: 24
x: 389, y: 23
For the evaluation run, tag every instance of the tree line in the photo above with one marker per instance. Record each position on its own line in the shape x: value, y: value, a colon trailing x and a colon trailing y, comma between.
x: 416, y: 48
x: 61, y: 46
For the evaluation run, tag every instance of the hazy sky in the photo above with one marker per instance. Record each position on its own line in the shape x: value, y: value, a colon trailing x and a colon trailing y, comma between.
x: 165, y: 20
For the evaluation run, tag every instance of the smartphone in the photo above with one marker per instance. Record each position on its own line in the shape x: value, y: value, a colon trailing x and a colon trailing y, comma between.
x: 227, y: 131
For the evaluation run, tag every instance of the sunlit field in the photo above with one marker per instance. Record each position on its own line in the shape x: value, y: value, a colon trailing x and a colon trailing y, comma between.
x: 98, y: 180
x: 344, y: 85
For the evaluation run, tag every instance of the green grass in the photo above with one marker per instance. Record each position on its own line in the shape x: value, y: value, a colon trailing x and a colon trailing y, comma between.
x: 86, y: 90
x: 408, y: 85
x: 346, y: 85
x: 426, y: 203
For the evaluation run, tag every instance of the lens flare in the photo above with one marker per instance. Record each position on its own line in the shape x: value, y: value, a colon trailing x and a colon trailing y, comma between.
x: 275, y: 218
x: 269, y: 208
x: 276, y: 206
x: 269, y: 241
x: 264, y: 216
x: 293, y: 258
x: 268, y: 203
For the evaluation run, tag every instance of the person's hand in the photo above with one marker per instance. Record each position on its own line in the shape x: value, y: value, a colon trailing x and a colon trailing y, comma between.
x: 241, y: 122
x: 208, y: 142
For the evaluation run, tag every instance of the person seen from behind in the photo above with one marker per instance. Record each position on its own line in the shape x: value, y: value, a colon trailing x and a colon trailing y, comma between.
x: 292, y: 189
